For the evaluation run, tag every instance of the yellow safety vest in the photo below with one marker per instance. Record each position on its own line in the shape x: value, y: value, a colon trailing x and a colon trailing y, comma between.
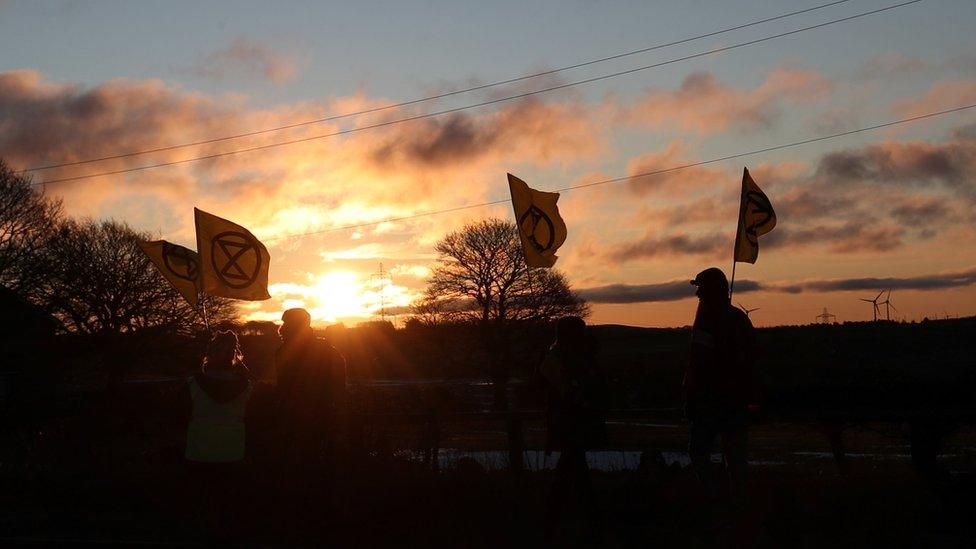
x: 216, y: 432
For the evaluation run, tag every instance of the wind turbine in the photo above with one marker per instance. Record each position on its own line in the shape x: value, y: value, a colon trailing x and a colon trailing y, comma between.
x: 875, y: 303
x: 746, y: 311
x: 888, y: 306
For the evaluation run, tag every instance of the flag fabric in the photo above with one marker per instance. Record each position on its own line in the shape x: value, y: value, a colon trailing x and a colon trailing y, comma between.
x: 540, y: 227
x: 756, y: 218
x: 234, y: 263
x: 180, y: 266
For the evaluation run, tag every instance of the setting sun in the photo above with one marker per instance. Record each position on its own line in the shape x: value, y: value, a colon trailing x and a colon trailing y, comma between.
x: 338, y: 294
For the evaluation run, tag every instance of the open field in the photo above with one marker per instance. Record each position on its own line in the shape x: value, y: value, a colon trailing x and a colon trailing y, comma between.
x: 79, y: 462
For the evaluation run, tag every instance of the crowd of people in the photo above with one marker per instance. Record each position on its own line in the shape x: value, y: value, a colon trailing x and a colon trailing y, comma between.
x: 720, y: 390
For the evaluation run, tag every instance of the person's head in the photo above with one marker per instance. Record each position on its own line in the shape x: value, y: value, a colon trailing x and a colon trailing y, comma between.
x: 713, y: 287
x: 295, y: 324
x: 570, y: 331
x: 223, y: 352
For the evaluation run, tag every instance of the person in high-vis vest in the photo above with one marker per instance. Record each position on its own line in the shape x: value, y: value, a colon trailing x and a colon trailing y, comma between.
x: 215, y: 444
x: 219, y: 391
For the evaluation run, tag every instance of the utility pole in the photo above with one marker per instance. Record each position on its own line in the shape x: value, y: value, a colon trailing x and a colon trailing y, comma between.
x: 380, y: 277
x: 824, y: 317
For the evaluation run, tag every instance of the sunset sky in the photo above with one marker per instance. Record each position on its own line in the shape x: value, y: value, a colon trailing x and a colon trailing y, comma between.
x: 81, y: 80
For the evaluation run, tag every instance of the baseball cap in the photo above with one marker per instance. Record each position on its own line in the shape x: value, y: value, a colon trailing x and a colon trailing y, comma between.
x: 710, y: 278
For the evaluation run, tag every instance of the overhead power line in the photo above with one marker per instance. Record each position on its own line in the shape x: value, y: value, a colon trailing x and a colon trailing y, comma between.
x: 637, y: 175
x: 437, y: 96
x: 475, y: 105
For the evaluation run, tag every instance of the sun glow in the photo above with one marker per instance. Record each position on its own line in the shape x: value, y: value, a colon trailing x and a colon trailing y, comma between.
x: 342, y: 295
x: 338, y: 294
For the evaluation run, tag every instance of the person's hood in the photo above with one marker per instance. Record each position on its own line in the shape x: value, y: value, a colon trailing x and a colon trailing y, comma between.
x: 222, y: 387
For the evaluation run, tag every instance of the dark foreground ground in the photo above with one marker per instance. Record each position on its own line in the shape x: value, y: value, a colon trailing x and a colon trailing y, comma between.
x: 137, y: 492
x: 91, y: 468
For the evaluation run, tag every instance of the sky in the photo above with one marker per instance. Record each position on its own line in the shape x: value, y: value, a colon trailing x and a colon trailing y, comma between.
x: 890, y: 208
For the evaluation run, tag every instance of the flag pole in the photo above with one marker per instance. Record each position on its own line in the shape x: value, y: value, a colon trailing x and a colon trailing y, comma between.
x: 738, y: 229
x: 203, y: 306
x: 732, y: 280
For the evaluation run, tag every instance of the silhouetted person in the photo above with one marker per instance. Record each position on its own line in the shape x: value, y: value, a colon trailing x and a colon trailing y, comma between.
x: 577, y: 404
x: 215, y: 444
x: 311, y: 379
x: 720, y: 386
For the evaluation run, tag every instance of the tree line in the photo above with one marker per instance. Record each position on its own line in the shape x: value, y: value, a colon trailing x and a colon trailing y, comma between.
x: 91, y: 279
x: 89, y: 276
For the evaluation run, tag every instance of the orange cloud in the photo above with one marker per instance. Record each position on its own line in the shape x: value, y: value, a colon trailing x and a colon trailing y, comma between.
x: 706, y: 106
x: 940, y: 96
x: 672, y: 182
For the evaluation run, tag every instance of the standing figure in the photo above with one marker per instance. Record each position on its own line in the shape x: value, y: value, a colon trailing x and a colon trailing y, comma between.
x: 720, y: 387
x: 311, y: 386
x: 215, y: 445
x: 577, y: 404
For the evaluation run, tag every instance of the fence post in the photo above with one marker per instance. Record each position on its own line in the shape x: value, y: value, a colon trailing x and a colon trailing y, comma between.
x: 432, y: 441
x: 516, y: 444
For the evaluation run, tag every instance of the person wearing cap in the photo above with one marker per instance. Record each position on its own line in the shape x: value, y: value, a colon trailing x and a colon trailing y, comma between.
x: 720, y: 386
x: 311, y: 387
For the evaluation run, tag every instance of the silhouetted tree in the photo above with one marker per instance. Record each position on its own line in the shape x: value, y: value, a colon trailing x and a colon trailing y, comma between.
x: 482, y: 278
x: 98, y: 281
x: 100, y: 285
x: 259, y: 328
x: 27, y: 221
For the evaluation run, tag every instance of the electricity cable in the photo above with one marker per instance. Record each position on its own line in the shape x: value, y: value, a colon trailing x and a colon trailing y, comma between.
x: 437, y: 96
x: 481, y: 104
x: 637, y: 175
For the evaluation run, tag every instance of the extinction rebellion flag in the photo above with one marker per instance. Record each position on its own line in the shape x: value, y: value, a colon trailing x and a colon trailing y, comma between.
x: 756, y: 218
x: 179, y: 265
x: 233, y: 263
x: 541, y: 228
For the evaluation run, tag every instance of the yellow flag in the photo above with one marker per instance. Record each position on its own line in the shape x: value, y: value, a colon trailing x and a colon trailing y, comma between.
x: 234, y: 263
x: 541, y: 228
x: 756, y: 218
x: 179, y: 265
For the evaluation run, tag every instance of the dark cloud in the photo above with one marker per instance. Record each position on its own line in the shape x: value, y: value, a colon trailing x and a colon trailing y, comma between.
x: 681, y: 289
x: 246, y: 57
x: 849, y: 237
x: 949, y: 163
x: 445, y: 140
x: 922, y: 211
x: 926, y: 282
x: 673, y: 245
x: 856, y: 236
x: 965, y: 133
x: 889, y: 64
x: 45, y: 122
x: 641, y: 293
x: 530, y: 128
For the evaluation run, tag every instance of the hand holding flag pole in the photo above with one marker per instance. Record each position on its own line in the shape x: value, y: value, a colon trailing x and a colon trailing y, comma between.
x: 756, y: 218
